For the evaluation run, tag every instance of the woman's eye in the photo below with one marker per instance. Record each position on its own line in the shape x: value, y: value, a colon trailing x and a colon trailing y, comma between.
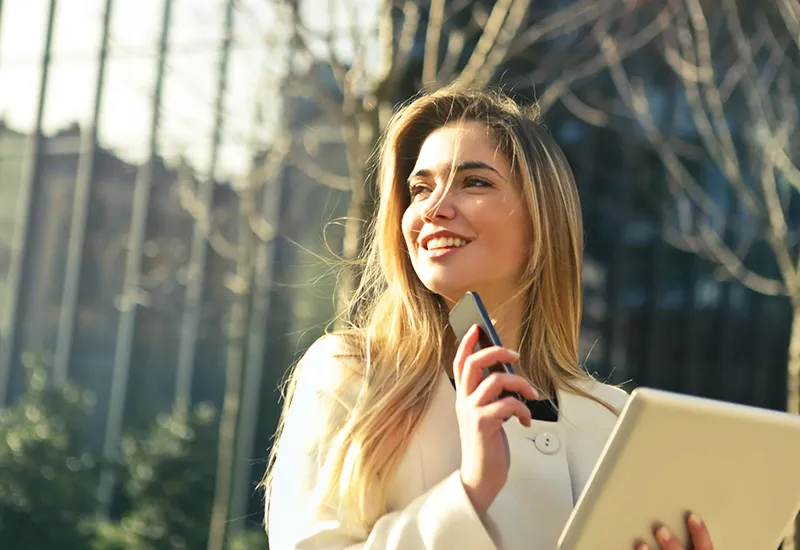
x: 476, y: 182
x: 418, y: 189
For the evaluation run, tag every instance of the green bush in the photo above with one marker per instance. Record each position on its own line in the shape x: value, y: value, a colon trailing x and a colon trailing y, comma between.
x: 47, y: 487
x: 170, y: 485
x: 249, y: 540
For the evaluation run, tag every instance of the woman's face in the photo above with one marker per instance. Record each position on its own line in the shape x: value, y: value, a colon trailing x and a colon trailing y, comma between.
x: 472, y: 235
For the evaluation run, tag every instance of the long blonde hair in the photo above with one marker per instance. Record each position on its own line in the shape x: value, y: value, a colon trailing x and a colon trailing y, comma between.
x: 399, y: 332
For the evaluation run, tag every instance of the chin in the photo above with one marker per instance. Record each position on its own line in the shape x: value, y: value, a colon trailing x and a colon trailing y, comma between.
x: 449, y: 292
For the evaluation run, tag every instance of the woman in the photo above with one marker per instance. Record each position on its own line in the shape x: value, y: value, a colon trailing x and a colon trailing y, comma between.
x: 391, y: 438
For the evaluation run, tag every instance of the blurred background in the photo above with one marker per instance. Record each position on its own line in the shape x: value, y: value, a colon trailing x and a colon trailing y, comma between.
x: 180, y: 180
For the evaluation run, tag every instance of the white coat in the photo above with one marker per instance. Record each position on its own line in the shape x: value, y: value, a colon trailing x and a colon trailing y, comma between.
x: 429, y: 510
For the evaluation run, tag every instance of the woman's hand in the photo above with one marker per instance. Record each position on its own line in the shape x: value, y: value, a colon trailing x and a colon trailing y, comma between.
x: 701, y: 538
x: 484, y: 447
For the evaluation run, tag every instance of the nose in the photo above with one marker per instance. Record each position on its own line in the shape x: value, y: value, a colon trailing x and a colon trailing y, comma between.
x: 438, y: 206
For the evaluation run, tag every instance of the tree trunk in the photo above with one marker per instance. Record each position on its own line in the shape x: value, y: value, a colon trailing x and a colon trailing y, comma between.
x: 360, y: 137
x: 793, y: 379
x: 351, y: 246
x: 792, y: 539
x: 234, y: 374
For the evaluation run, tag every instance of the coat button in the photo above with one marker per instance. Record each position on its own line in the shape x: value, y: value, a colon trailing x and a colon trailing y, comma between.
x: 547, y: 443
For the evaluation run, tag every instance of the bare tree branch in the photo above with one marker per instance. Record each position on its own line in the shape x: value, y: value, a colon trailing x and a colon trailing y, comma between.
x: 263, y: 171
x: 314, y: 171
x: 498, y: 32
x: 732, y: 265
x: 706, y: 243
x: 600, y: 62
x: 707, y: 108
x: 432, y: 34
x: 755, y: 93
x: 637, y: 101
x: 790, y: 12
x: 191, y: 202
x: 502, y: 43
x: 584, y: 111
x: 406, y: 41
x: 455, y: 47
x: 562, y: 22
x: 714, y: 131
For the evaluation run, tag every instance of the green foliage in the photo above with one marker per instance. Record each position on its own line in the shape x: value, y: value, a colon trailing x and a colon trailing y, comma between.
x: 47, y: 488
x: 170, y: 485
x: 249, y: 540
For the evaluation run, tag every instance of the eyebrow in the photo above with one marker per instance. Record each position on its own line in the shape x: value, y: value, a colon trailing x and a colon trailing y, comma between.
x: 461, y: 167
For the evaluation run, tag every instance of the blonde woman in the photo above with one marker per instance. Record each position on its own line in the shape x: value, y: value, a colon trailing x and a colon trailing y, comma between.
x: 391, y: 437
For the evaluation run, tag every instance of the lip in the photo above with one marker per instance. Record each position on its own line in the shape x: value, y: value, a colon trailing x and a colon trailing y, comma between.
x: 442, y: 252
x: 423, y: 241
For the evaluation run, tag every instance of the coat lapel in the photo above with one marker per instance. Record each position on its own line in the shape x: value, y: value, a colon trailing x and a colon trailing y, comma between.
x: 537, y: 499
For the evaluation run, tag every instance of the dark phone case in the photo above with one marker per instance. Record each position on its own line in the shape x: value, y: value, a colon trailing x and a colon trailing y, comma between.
x: 470, y: 311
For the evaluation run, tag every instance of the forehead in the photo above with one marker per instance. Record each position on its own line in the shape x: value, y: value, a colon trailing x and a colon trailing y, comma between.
x: 465, y: 141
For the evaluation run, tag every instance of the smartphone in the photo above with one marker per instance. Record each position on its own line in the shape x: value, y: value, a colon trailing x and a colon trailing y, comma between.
x: 470, y: 311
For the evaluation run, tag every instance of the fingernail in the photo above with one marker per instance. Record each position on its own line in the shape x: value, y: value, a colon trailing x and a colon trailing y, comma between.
x: 694, y: 520
x: 642, y: 546
x: 515, y: 354
x: 663, y: 534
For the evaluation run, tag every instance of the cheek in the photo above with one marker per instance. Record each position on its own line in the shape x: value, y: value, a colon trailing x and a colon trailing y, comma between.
x: 410, y: 227
x: 521, y: 241
x: 512, y: 235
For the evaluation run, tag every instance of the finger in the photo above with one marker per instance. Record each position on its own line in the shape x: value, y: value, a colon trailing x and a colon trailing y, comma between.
x: 502, y: 409
x: 493, y: 385
x: 701, y: 538
x: 489, y: 357
x: 666, y: 538
x: 476, y: 363
x: 464, y: 350
x: 641, y: 546
x: 471, y: 376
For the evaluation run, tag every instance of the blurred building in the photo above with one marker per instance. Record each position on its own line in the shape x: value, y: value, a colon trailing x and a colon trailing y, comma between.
x: 299, y: 287
x: 164, y: 265
x: 12, y: 150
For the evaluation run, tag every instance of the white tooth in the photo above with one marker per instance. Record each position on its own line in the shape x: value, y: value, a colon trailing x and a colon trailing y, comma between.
x: 449, y: 242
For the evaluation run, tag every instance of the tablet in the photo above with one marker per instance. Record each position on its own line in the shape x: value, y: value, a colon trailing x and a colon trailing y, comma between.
x: 738, y: 467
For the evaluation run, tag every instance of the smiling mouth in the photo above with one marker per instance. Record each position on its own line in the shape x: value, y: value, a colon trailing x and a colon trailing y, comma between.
x: 445, y: 243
